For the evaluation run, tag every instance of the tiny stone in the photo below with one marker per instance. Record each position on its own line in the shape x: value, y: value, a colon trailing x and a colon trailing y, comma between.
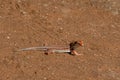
x: 45, y: 78
x: 56, y: 7
x: 19, y: 1
x: 15, y: 31
x: 59, y: 19
x: 45, y: 5
x: 61, y: 28
x: 89, y: 49
x: 113, y: 26
x: 48, y: 68
x: 28, y: 57
x: 23, y: 12
x: 115, y: 12
x: 78, y: 67
x: 8, y: 37
x: 53, y: 73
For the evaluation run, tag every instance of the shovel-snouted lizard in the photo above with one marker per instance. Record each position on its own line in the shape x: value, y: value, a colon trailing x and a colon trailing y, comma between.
x: 71, y: 49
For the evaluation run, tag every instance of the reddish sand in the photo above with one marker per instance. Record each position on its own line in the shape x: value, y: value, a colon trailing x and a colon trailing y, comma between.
x: 30, y: 23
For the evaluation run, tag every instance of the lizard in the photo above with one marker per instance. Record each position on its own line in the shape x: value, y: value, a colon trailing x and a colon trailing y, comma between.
x: 71, y: 49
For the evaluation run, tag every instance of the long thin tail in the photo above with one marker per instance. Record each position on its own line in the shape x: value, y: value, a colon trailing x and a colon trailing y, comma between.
x: 43, y: 48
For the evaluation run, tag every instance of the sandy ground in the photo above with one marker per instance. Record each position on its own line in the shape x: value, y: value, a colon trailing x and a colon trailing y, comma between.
x: 28, y: 23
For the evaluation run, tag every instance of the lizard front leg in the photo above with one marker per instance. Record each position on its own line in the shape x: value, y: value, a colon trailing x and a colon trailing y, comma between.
x: 73, y: 52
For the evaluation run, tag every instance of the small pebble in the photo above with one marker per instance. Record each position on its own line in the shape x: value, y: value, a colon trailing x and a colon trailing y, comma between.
x: 115, y: 12
x: 53, y: 73
x: 46, y: 5
x: 19, y: 1
x: 15, y: 31
x: 45, y: 78
x: 8, y: 37
x: 61, y: 28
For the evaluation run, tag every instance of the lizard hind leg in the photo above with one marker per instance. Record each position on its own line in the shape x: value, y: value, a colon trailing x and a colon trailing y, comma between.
x: 48, y: 51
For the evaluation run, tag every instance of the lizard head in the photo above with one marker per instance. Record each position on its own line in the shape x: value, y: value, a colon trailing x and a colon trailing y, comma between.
x: 80, y: 43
